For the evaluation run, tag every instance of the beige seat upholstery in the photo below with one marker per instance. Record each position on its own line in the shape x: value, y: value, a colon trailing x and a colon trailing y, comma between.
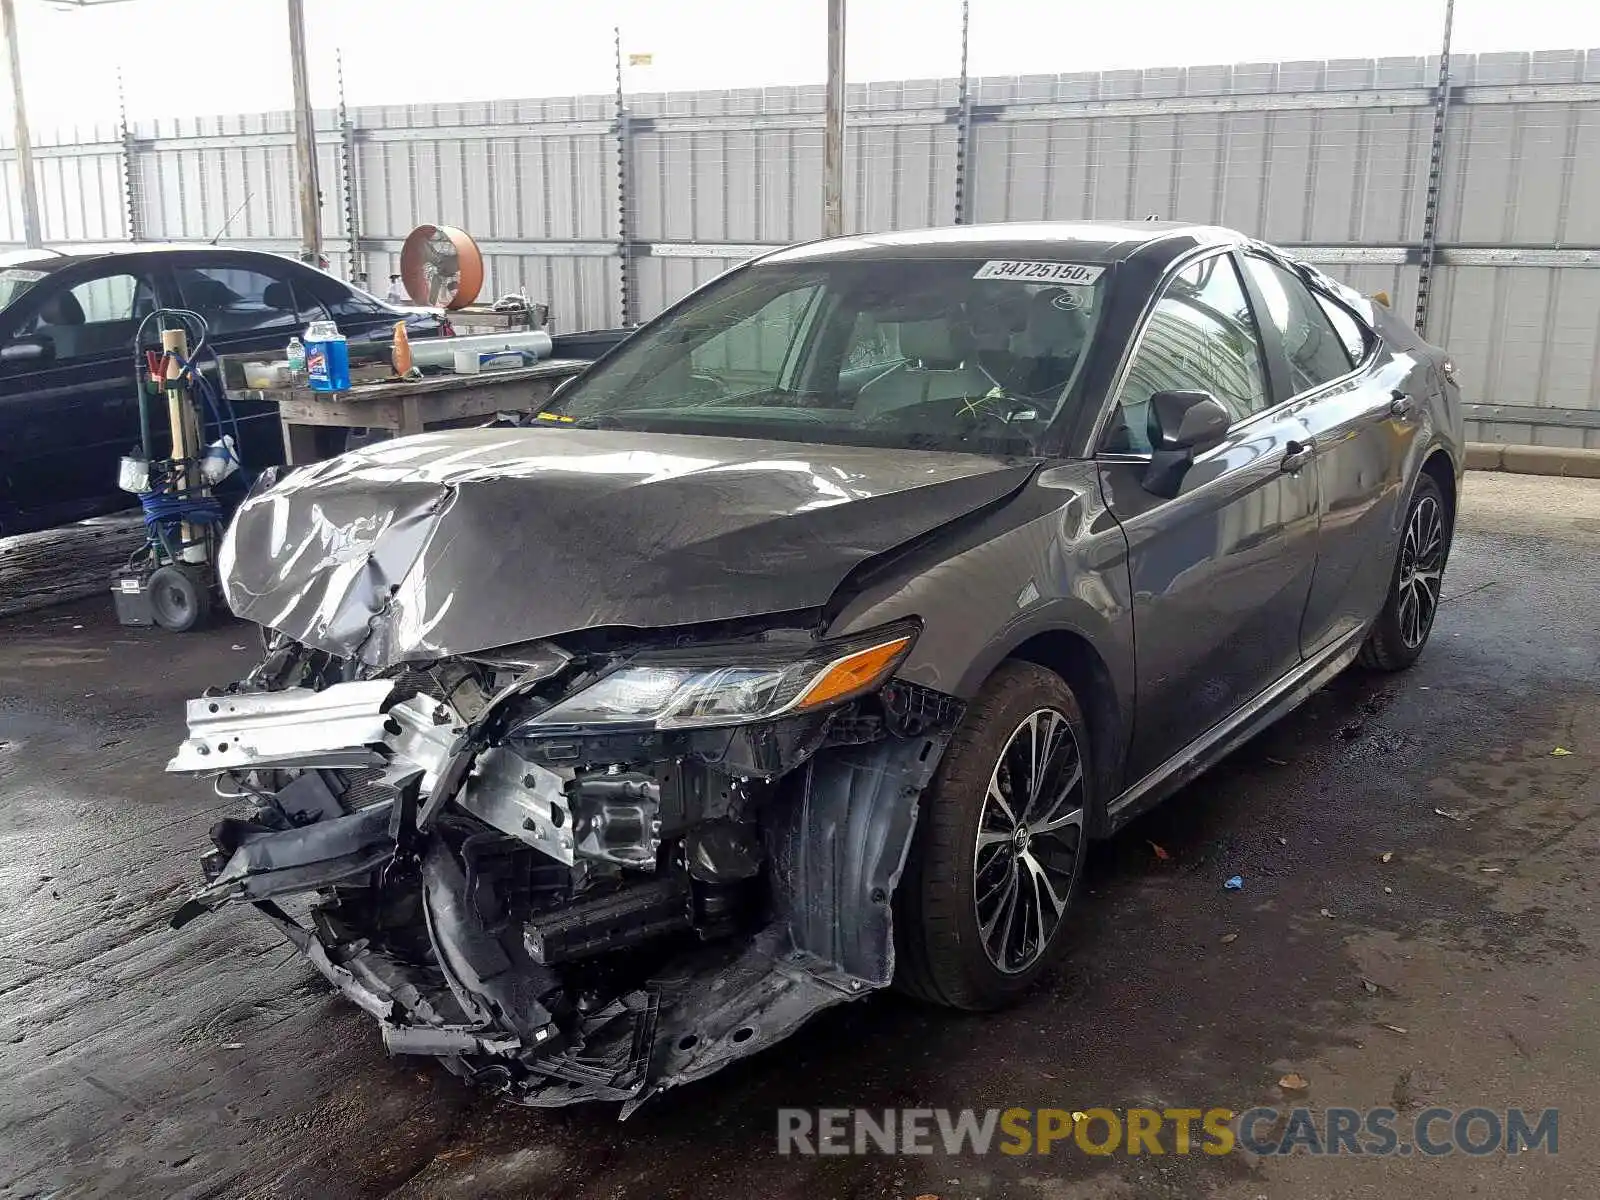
x: 940, y: 365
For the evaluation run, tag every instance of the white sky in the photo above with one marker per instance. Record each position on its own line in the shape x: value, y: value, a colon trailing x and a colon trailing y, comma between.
x: 232, y: 55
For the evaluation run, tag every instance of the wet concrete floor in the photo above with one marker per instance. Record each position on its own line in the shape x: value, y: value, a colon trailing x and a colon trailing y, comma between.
x: 135, y: 1061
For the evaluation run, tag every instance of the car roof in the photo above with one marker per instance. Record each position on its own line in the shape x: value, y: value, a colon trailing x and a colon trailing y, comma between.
x: 1081, y: 241
x: 54, y: 258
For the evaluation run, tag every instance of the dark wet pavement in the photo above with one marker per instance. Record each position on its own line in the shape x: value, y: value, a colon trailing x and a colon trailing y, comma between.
x: 135, y: 1061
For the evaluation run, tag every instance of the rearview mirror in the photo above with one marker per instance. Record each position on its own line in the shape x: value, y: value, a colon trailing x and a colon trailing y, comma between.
x: 1182, y: 424
x: 25, y: 350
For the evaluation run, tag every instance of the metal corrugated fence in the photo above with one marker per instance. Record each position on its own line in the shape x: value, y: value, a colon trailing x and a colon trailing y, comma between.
x: 1330, y: 159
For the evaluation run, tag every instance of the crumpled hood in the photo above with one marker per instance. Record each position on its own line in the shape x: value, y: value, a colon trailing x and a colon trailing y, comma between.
x: 463, y: 541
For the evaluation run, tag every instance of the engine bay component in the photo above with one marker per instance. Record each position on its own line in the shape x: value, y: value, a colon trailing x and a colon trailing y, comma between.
x: 559, y: 912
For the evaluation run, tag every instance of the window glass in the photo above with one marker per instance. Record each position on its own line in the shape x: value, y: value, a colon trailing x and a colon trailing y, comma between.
x: 238, y: 299
x: 1200, y: 338
x: 92, y: 318
x: 872, y: 344
x: 925, y: 354
x: 1315, y: 351
x: 750, y: 354
x: 1351, y: 332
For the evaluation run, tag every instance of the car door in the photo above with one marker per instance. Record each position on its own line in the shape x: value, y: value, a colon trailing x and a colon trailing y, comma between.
x: 1221, y: 570
x: 1360, y: 404
x: 69, y: 407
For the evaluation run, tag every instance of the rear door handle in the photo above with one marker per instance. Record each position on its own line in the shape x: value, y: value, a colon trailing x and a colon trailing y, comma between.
x: 1296, y: 455
x: 1400, y: 404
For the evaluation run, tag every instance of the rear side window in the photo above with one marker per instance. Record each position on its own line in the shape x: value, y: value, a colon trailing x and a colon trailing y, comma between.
x: 1351, y: 332
x: 1315, y: 351
x: 238, y: 299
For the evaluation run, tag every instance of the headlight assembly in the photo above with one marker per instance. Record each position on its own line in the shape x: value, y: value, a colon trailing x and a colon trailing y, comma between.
x: 680, y: 691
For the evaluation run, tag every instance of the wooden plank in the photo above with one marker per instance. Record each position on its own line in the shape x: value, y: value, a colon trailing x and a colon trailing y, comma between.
x: 67, y: 563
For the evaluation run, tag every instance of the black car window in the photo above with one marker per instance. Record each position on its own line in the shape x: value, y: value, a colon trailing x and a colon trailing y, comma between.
x: 92, y: 318
x: 1201, y: 337
x: 1354, y: 335
x: 236, y: 299
x: 1316, y: 353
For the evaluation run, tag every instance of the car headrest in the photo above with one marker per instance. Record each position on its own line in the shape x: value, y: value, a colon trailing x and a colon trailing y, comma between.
x: 1055, y: 325
x: 935, y: 345
x: 61, y: 309
x: 279, y: 296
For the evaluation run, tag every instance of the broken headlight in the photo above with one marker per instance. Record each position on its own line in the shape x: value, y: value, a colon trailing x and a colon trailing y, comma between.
x: 678, y: 690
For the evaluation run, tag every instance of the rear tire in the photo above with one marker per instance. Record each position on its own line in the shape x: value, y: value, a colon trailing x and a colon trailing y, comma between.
x: 999, y: 846
x: 1401, y: 631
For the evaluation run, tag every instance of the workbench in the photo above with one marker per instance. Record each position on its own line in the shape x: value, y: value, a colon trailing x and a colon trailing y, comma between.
x: 405, y: 407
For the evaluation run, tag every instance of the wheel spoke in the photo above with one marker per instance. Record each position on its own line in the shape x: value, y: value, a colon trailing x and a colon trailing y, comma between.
x: 1043, y: 890
x: 1029, y: 840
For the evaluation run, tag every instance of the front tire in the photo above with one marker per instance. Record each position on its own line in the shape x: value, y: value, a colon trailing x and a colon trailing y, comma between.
x: 1402, y: 628
x: 999, y: 847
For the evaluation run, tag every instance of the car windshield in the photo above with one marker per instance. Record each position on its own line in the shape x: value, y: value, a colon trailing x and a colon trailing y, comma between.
x: 926, y: 354
x: 14, y: 281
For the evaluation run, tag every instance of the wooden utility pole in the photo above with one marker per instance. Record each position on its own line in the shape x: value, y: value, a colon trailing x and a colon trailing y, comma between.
x: 32, y: 230
x: 833, y: 137
x: 305, y: 139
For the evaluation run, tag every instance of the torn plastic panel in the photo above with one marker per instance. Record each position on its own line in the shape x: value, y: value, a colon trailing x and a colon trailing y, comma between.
x: 628, y: 915
x: 464, y: 541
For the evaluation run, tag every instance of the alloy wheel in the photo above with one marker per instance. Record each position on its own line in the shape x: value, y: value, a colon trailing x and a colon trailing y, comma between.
x: 1030, y: 840
x: 1421, y: 572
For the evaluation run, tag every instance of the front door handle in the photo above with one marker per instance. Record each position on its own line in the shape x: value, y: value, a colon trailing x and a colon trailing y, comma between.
x: 1400, y: 404
x: 1296, y: 455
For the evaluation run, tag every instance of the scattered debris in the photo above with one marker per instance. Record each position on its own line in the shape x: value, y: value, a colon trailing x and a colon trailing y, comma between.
x: 236, y: 646
x: 1235, y: 883
x: 1283, y: 841
x: 1370, y: 987
x: 1395, y: 1028
x: 1079, y: 1118
x: 1560, y: 752
x: 1326, y: 912
x: 233, y: 1045
x: 1293, y: 1082
x: 1160, y: 852
x: 1386, y: 856
x: 1229, y: 937
x: 1450, y: 814
x: 1388, y: 891
x: 1492, y: 870
x: 1276, y: 762
x: 77, y: 626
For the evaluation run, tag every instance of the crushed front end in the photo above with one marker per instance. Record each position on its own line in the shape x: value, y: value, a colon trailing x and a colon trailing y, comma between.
x: 578, y: 869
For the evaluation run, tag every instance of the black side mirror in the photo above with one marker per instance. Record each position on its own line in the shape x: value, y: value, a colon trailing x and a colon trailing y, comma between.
x: 1182, y: 425
x: 27, y: 350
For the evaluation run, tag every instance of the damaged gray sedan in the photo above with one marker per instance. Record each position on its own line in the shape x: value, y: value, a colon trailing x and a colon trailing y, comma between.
x: 807, y: 640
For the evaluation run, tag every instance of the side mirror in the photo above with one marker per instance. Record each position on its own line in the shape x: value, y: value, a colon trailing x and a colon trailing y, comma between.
x: 27, y: 350
x: 1182, y: 424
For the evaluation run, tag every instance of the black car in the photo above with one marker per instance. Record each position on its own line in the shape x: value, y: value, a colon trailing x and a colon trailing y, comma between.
x: 802, y: 645
x: 68, y: 403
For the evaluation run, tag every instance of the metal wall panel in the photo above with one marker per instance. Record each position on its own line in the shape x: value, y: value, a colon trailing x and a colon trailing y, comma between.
x: 1328, y: 156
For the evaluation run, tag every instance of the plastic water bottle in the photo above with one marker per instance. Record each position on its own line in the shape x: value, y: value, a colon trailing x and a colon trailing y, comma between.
x: 327, y: 358
x: 297, y: 359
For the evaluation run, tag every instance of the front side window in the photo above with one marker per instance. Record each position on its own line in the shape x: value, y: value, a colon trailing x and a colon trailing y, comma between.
x: 1201, y: 337
x: 92, y: 318
x: 1315, y: 351
x: 921, y: 354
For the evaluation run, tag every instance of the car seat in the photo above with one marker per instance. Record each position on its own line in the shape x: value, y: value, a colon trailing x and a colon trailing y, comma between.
x: 939, y: 366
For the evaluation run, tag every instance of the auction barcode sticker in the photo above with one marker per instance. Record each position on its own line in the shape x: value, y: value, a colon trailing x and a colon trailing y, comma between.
x: 1072, y: 274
